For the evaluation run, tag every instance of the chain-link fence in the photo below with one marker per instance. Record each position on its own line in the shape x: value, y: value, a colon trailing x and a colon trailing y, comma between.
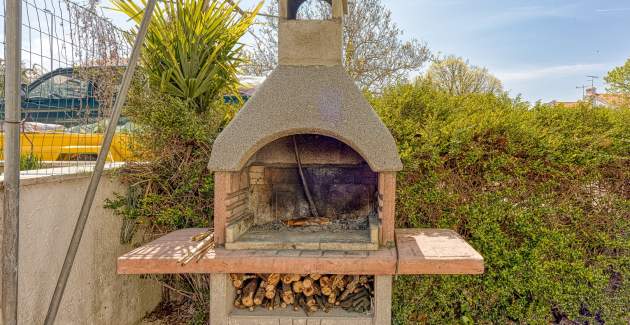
x: 72, y: 62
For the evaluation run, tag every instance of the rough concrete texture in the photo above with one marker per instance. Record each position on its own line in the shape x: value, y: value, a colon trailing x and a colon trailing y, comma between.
x: 306, y: 100
x: 289, y: 8
x: 383, y: 300
x: 95, y: 293
x: 310, y: 42
x: 314, y: 150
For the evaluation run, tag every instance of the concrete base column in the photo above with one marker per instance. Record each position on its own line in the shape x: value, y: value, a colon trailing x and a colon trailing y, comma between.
x: 383, y: 300
x: 221, y: 297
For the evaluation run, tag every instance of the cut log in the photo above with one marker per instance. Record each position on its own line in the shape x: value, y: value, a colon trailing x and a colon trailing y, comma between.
x: 298, y: 286
x: 302, y: 303
x: 237, y: 301
x: 290, y: 278
x: 248, y: 293
x: 270, y: 294
x: 325, y: 284
x: 309, y: 292
x: 307, y: 282
x: 273, y: 280
x: 304, y: 222
x: 287, y: 294
x: 332, y: 298
x: 259, y: 297
x: 311, y: 304
x: 239, y: 279
x: 277, y: 302
x: 338, y: 282
x: 350, y: 287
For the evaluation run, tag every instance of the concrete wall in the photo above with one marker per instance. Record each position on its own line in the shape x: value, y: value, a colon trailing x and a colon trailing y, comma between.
x: 95, y: 293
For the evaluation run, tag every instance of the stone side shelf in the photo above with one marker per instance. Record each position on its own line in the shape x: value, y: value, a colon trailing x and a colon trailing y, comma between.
x: 435, y: 251
x: 419, y: 251
x: 161, y: 257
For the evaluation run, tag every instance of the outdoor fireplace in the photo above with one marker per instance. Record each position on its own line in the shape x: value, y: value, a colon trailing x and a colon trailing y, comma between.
x: 305, y: 182
x: 328, y: 200
x: 306, y: 164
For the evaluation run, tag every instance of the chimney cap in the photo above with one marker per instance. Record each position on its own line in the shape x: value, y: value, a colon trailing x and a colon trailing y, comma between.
x: 289, y: 8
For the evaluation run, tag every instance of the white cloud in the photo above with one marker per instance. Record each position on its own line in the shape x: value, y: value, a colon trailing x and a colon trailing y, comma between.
x: 612, y: 10
x: 551, y: 71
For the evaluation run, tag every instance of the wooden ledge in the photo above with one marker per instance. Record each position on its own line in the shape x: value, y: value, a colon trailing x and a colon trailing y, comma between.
x: 435, y: 251
x: 419, y: 251
x: 161, y: 256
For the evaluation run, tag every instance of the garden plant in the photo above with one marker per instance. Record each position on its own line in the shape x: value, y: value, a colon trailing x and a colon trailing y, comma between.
x: 541, y: 191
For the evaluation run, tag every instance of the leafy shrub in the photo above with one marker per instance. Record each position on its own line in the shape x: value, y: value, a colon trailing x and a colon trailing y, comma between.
x: 30, y: 162
x: 542, y: 192
x: 189, y: 61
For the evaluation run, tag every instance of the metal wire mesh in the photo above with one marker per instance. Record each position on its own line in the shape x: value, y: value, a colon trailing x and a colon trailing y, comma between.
x: 72, y: 63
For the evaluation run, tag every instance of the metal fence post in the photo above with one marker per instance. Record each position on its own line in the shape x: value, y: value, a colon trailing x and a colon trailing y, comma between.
x: 100, y: 165
x: 10, y: 225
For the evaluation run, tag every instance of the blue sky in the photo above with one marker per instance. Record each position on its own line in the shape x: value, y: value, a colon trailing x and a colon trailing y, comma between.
x: 541, y: 49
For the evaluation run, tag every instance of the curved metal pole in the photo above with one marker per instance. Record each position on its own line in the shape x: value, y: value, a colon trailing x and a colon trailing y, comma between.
x: 100, y: 165
x: 10, y: 223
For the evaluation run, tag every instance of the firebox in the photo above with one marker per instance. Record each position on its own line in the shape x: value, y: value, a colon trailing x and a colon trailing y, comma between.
x: 304, y: 192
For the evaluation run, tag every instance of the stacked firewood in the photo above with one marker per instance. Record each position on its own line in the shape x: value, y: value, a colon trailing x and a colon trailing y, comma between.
x: 309, y: 292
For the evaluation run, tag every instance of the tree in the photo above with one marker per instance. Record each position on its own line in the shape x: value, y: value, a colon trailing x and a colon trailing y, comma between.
x: 457, y: 77
x: 618, y: 79
x: 192, y: 48
x: 375, y: 55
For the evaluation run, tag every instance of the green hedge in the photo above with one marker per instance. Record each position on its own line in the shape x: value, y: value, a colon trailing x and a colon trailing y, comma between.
x: 542, y: 192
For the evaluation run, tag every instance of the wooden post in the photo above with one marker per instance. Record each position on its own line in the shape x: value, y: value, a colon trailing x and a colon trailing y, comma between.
x: 10, y: 224
x: 387, y: 206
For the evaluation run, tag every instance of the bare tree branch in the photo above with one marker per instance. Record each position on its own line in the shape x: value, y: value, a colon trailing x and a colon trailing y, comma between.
x: 375, y: 55
x: 457, y: 77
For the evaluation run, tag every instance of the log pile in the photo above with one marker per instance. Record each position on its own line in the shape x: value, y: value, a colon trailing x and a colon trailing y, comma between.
x: 307, y: 292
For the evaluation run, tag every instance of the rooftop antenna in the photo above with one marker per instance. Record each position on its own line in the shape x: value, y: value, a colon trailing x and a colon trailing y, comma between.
x: 593, y: 89
x: 593, y: 78
x: 583, y: 87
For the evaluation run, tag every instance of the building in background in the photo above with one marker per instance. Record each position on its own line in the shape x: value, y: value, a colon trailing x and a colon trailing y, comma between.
x: 607, y: 100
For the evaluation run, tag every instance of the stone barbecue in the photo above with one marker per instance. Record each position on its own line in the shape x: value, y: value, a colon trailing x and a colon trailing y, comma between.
x: 306, y: 158
x: 305, y: 183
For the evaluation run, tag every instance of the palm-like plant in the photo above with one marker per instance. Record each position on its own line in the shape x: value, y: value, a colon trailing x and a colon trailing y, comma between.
x: 192, y: 48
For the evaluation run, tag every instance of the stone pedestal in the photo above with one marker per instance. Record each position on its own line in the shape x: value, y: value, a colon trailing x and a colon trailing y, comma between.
x: 222, y: 311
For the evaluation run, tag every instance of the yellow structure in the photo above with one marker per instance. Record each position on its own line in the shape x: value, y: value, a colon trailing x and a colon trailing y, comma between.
x: 64, y: 146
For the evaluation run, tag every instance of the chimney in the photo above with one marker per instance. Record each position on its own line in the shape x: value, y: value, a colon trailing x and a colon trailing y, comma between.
x: 310, y: 42
x: 308, y: 93
x: 591, y: 92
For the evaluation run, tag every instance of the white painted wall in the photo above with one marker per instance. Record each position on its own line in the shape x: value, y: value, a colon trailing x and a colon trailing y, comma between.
x: 49, y: 206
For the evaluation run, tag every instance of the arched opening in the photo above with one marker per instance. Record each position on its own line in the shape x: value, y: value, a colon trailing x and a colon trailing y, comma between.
x: 341, y: 183
x: 302, y: 187
x: 310, y: 9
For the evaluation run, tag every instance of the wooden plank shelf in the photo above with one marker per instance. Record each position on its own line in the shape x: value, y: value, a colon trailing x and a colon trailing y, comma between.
x: 419, y: 251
